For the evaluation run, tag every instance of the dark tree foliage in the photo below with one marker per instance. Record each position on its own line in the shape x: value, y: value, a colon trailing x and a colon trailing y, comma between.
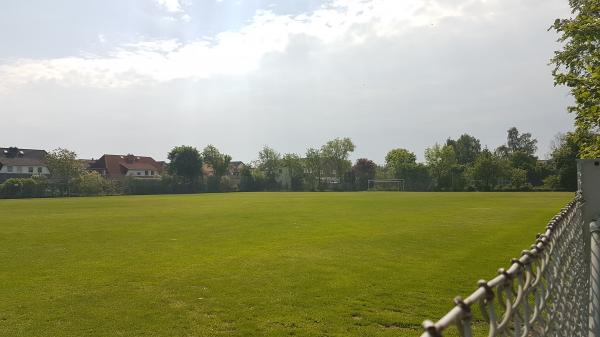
x: 487, y: 171
x: 466, y: 148
x: 402, y: 164
x: 564, y: 160
x: 363, y: 170
x: 186, y: 162
x: 518, y: 143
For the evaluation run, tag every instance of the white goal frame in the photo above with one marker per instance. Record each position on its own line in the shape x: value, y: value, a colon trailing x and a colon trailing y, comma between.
x: 399, y: 183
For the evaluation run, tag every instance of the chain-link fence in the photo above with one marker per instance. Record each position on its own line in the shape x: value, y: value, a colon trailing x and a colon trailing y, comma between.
x: 545, y: 292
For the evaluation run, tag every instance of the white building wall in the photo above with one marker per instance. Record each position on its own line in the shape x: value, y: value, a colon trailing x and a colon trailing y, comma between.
x: 142, y: 173
x: 20, y: 169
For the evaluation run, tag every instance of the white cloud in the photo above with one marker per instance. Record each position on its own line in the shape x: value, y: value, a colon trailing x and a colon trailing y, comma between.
x: 172, y: 6
x: 387, y: 73
x: 230, y: 52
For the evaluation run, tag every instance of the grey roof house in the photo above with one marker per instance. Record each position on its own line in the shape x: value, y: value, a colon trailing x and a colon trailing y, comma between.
x: 22, y: 163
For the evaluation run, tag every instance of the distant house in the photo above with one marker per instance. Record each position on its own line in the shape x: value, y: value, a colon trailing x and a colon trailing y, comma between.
x: 234, y: 173
x: 22, y: 163
x: 119, y: 166
x: 235, y: 168
x: 207, y: 170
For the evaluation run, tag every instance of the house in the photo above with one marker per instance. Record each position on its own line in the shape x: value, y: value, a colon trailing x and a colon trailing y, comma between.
x: 234, y: 171
x: 207, y: 170
x: 235, y: 168
x: 119, y: 166
x: 22, y: 163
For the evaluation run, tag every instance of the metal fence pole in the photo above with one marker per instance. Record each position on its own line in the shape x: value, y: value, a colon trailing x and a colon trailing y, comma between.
x: 589, y: 185
x: 594, y: 322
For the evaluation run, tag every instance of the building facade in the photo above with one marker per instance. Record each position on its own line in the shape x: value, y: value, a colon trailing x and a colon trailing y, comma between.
x: 22, y: 163
x: 122, y: 166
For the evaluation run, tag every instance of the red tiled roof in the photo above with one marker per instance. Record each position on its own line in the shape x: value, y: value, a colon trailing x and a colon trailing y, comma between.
x: 117, y: 165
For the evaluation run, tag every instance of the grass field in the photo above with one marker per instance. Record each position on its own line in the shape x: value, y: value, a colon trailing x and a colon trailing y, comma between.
x: 254, y: 264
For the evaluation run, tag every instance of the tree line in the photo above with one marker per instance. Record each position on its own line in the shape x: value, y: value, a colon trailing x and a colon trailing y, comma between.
x: 460, y: 164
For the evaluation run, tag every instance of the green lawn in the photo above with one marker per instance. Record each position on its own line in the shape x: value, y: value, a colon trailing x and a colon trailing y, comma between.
x: 254, y: 264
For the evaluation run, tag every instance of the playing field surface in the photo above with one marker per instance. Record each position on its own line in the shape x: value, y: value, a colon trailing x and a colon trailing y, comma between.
x: 254, y: 264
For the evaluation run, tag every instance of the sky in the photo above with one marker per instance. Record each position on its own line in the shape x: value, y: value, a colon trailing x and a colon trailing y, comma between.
x: 143, y: 76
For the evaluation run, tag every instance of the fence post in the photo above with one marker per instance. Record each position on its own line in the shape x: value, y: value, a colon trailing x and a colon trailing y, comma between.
x: 589, y: 186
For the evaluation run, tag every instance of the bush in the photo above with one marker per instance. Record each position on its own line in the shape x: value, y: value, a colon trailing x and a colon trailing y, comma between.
x: 147, y: 186
x: 90, y: 183
x: 228, y: 185
x: 212, y: 184
x: 23, y: 188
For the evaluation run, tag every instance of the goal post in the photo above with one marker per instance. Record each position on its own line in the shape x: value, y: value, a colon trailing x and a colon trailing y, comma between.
x: 385, y: 185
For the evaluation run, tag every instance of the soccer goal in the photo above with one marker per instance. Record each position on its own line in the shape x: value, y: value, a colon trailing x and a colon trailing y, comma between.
x: 386, y: 185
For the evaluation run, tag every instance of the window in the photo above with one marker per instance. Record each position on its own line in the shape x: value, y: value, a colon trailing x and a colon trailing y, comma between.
x: 139, y: 173
x: 9, y: 169
x: 39, y: 170
x: 19, y: 169
x: 151, y: 173
x: 30, y: 169
x: 146, y: 172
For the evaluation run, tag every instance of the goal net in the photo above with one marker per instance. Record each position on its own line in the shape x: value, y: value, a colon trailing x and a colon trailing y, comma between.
x: 386, y: 185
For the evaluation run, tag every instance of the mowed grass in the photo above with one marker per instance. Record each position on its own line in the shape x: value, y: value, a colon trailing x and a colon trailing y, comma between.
x: 254, y: 264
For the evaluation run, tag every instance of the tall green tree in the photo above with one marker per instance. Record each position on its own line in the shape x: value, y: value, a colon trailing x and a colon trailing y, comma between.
x: 186, y: 162
x: 269, y: 162
x: 564, y: 161
x: 219, y: 163
x: 517, y: 142
x: 441, y: 161
x: 314, y: 167
x: 486, y: 171
x: 217, y: 160
x: 64, y: 169
x: 293, y: 164
x: 336, y: 154
x: 398, y: 160
x: 466, y: 147
x: 577, y: 66
x: 402, y: 164
x: 364, y: 169
x: 519, y: 151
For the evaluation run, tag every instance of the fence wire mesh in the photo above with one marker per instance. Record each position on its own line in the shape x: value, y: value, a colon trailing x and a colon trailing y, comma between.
x: 545, y: 292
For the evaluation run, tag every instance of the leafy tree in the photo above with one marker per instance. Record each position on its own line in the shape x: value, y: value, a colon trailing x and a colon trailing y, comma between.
x: 336, y: 154
x: 64, y: 168
x: 520, y: 152
x: 402, y: 164
x: 518, y: 178
x: 219, y: 163
x: 486, y: 171
x: 295, y: 169
x: 217, y: 160
x: 577, y: 66
x: 466, y: 147
x: 441, y: 161
x: 518, y: 143
x: 269, y: 162
x: 564, y: 161
x: 314, y: 167
x: 398, y: 160
x: 364, y: 169
x: 90, y: 183
x: 186, y: 162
